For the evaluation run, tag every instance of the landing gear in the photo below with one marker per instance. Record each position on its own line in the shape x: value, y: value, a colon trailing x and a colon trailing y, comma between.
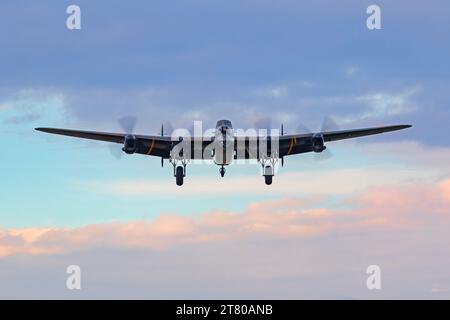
x: 179, y: 175
x: 268, y: 168
x: 179, y: 169
x: 222, y: 171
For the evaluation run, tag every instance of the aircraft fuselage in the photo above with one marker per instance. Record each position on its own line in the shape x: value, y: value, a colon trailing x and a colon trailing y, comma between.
x: 224, y: 139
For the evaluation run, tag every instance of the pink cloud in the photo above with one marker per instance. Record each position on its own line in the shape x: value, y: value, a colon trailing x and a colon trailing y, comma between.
x: 444, y: 188
x: 381, y: 208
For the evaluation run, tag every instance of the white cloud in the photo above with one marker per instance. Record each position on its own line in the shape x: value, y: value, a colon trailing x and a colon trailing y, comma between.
x: 382, y: 104
x: 337, y: 182
x: 351, y: 71
x: 273, y: 92
x: 392, y: 163
x: 28, y: 105
x: 347, y: 109
x: 308, y: 84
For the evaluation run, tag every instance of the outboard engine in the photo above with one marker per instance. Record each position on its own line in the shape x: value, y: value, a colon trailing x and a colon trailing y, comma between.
x: 129, y: 144
x: 317, y: 142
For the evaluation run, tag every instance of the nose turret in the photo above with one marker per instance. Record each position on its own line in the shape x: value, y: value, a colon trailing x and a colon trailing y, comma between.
x: 224, y: 124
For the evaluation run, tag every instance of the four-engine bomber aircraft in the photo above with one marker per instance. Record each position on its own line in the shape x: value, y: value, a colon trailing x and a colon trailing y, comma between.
x: 224, y: 146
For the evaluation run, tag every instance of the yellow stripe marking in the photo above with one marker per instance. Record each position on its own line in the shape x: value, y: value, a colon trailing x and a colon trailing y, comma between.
x: 151, y: 147
x: 293, y: 142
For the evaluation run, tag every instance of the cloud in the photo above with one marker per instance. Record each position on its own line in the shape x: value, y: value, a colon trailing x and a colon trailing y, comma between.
x: 339, y: 182
x: 23, y: 119
x: 439, y: 289
x: 412, y: 153
x: 23, y: 241
x: 298, y: 245
x: 355, y: 167
x: 379, y: 209
x: 273, y: 92
x: 351, y: 71
x: 388, y: 104
x: 24, y: 106
x: 371, y: 105
x: 102, y: 106
x: 445, y: 189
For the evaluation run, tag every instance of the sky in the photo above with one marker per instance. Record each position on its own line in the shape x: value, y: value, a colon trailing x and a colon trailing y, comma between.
x: 382, y: 200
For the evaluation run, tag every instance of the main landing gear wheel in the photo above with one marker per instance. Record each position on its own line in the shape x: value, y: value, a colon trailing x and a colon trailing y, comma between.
x: 268, y: 179
x: 222, y: 171
x: 179, y: 175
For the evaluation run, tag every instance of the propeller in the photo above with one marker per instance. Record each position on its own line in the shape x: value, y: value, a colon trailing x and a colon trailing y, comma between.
x: 264, y: 123
x: 324, y: 155
x: 166, y: 128
x: 328, y: 124
x: 168, y: 132
x: 282, y: 134
x: 127, y: 124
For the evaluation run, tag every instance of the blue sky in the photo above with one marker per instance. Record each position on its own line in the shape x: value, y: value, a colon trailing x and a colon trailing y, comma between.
x: 193, y: 58
x: 200, y: 60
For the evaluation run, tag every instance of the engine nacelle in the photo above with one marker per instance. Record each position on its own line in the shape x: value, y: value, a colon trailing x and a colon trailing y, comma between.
x: 130, y: 144
x: 317, y: 142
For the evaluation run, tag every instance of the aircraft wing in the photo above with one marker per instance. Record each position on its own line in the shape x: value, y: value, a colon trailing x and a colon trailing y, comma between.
x: 301, y: 143
x: 348, y: 134
x: 149, y: 145
x: 161, y: 145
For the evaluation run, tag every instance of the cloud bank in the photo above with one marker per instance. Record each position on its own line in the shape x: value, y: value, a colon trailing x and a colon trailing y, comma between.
x: 266, y: 244
x: 380, y: 208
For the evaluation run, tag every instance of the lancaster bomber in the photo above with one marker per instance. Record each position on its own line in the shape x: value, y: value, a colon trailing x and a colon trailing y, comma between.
x: 224, y: 145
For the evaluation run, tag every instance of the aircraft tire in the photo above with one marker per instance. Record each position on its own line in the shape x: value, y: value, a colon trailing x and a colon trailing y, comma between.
x: 179, y: 176
x: 268, y: 180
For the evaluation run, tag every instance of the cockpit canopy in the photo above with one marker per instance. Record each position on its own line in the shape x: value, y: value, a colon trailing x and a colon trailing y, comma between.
x: 224, y: 123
